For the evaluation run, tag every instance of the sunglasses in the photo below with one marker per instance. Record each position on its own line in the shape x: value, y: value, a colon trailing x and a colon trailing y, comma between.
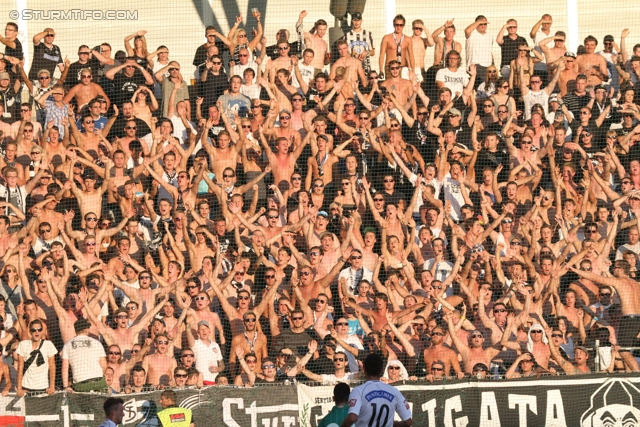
x: 305, y: 273
x: 269, y: 366
x: 252, y: 320
x: 162, y: 342
x: 318, y: 185
x: 537, y: 331
x: 437, y: 369
x: 394, y: 68
x: 149, y: 277
x: 270, y: 276
x: 502, y: 310
x: 45, y: 230
x: 296, y: 178
x: 132, y: 308
x: 227, y: 176
x: 321, y: 301
x: 36, y: 329
x: 339, y: 359
x: 379, y: 200
x: 297, y: 318
x: 342, y: 324
x: 440, y: 334
x: 389, y: 180
x: 554, y: 336
x: 394, y: 368
x: 90, y: 244
x: 356, y: 257
x: 187, y: 355
x: 252, y: 361
x: 44, y: 78
x: 285, y: 355
x: 244, y: 298
x: 131, y: 127
x: 605, y: 294
x: 202, y: 298
x: 477, y: 336
x: 114, y: 353
x: 285, y: 117
x: 180, y: 375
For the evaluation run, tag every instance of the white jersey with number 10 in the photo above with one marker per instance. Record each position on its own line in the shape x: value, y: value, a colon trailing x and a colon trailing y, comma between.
x: 375, y: 403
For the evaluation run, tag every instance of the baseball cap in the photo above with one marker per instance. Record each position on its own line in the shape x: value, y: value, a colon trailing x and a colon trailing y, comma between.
x: 455, y: 112
x: 81, y: 325
x: 553, y: 98
x: 569, y: 54
x: 581, y: 347
x: 204, y: 323
x: 4, y: 76
x: 608, y: 38
x: 357, y: 16
x: 323, y: 213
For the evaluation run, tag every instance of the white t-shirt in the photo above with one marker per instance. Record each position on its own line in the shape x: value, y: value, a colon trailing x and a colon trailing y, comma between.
x: 443, y: 269
x: 36, y: 377
x: 376, y: 403
x: 205, y: 357
x: 532, y: 98
x: 453, y: 80
x: 540, y: 35
x: 353, y: 341
x: 332, y: 379
x: 354, y: 277
x: 479, y: 49
x: 306, y: 71
x: 83, y: 354
x: 452, y: 194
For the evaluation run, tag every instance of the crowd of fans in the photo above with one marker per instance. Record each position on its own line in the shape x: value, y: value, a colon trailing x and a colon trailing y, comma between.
x: 465, y: 218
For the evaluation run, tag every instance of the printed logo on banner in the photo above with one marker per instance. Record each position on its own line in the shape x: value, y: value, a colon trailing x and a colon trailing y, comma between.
x: 615, y: 403
x: 140, y: 410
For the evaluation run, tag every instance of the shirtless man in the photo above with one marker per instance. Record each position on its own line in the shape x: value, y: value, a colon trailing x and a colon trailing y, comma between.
x: 419, y: 46
x: 186, y: 193
x: 316, y: 42
x: 438, y: 352
x: 144, y: 296
x: 123, y: 335
x: 321, y: 165
x: 396, y: 47
x: 251, y: 340
x: 627, y: 289
x: 347, y: 61
x: 85, y: 91
x: 160, y: 365
x: 91, y: 197
x: 474, y: 352
x: 553, y: 54
x: 203, y: 312
x: 282, y: 162
x: 224, y: 155
x: 401, y: 88
x: 378, y: 315
x: 48, y: 206
x: 237, y: 315
x: 285, y: 130
x: 569, y: 74
x: 445, y: 44
x: 592, y: 64
x: 121, y: 366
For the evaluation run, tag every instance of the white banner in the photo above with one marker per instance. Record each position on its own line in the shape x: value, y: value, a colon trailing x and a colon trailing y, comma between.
x: 314, y: 403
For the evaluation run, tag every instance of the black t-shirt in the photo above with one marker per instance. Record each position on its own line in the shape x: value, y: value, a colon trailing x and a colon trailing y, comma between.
x: 575, y: 102
x: 213, y: 88
x: 201, y: 52
x: 125, y: 86
x: 44, y: 59
x: 117, y: 130
x: 73, y: 77
x: 297, y: 342
x: 490, y: 159
x: 11, y: 103
x: 15, y: 52
x: 509, y: 49
x: 294, y: 49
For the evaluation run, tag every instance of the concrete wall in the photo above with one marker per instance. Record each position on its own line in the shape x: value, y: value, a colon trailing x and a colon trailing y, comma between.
x: 180, y: 24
